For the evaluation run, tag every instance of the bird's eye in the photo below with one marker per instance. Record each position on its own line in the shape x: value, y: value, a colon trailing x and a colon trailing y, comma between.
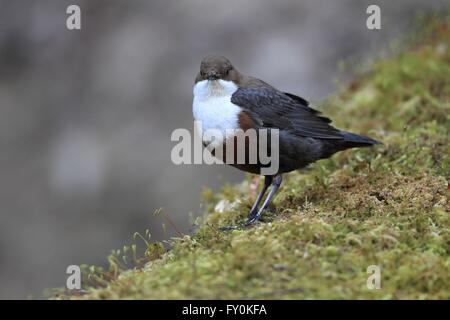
x: 227, y: 72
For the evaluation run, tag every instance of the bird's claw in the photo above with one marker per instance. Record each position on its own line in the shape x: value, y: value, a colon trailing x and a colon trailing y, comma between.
x: 251, y: 220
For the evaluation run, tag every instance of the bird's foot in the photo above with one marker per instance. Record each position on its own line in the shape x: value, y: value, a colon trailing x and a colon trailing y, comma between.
x: 251, y: 219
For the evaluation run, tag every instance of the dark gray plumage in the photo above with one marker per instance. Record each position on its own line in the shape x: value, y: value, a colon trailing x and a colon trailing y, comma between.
x: 305, y: 135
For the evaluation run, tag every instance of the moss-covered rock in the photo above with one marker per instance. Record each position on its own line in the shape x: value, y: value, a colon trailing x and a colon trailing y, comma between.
x: 386, y: 206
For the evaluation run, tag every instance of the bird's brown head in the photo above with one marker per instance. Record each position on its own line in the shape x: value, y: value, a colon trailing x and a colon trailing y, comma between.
x: 217, y: 68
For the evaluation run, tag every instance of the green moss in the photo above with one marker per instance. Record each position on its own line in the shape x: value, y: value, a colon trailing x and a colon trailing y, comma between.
x: 387, y: 206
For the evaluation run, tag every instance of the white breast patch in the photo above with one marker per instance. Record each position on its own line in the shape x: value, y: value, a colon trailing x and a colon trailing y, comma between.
x: 212, y: 106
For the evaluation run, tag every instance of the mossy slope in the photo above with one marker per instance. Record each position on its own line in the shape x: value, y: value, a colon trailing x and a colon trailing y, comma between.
x: 387, y: 206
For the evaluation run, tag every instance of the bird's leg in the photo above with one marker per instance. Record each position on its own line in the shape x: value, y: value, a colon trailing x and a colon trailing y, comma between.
x: 276, y: 183
x: 254, y: 210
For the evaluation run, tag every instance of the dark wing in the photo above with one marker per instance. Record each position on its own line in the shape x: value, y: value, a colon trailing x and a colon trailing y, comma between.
x: 274, y: 109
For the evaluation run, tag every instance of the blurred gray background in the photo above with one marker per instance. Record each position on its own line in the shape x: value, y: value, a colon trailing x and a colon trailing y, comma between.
x: 86, y: 116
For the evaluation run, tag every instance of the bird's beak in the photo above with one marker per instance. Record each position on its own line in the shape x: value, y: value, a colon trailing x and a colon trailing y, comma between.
x: 212, y: 75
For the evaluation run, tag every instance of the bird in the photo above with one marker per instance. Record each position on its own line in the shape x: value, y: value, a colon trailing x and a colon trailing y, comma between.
x: 226, y: 99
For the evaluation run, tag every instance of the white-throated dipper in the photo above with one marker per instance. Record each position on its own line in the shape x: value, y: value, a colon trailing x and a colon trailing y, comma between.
x: 226, y: 99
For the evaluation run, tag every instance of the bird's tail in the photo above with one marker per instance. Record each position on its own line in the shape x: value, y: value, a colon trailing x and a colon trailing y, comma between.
x: 352, y: 140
